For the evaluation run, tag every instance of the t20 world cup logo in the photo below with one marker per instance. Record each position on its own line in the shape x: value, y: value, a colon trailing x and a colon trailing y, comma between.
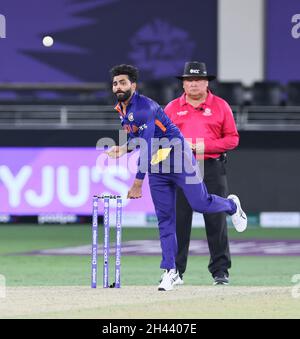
x: 2, y: 27
x: 161, y: 48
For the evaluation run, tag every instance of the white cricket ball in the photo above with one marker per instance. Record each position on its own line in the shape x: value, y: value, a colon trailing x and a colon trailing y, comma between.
x: 48, y: 41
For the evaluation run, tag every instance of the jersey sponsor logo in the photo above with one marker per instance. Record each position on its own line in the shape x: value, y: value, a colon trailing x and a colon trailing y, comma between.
x: 126, y: 128
x: 207, y: 112
x: 131, y: 128
x: 182, y: 113
x: 134, y: 128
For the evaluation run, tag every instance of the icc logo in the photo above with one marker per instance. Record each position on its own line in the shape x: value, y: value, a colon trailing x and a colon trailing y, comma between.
x: 2, y: 27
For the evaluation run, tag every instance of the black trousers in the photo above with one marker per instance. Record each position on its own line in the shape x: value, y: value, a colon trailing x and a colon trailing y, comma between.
x: 215, y: 224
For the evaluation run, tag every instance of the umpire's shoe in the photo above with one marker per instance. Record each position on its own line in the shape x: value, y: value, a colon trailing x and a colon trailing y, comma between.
x: 221, y: 279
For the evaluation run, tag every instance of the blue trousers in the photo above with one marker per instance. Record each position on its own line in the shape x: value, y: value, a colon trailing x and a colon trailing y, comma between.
x: 163, y: 192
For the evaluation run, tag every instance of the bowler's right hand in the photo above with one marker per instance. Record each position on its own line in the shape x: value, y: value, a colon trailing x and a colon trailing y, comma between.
x: 116, y: 152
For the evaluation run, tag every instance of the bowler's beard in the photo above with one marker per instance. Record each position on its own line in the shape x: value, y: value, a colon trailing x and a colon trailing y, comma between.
x: 123, y: 96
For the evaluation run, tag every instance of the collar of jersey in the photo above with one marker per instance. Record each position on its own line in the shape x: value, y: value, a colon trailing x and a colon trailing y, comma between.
x: 118, y: 106
x: 206, y: 103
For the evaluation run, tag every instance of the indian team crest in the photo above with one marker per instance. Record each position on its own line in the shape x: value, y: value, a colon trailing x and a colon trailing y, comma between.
x: 130, y: 116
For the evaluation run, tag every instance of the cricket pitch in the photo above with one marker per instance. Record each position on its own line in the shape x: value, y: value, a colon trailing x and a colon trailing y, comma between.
x: 138, y: 302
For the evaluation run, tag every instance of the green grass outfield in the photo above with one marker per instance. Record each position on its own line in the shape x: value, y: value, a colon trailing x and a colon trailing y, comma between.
x: 20, y: 270
x: 59, y: 286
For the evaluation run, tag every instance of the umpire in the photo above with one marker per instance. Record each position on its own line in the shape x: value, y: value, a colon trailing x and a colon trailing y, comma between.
x: 200, y: 114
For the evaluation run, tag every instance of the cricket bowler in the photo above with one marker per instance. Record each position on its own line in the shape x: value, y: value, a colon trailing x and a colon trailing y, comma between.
x: 143, y: 119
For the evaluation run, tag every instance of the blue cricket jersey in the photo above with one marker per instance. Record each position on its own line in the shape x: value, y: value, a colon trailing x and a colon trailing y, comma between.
x: 144, y: 118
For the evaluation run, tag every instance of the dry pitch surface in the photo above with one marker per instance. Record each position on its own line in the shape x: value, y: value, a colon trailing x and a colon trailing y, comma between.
x: 146, y: 302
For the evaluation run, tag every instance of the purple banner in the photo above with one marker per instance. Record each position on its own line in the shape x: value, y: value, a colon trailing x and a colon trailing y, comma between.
x: 282, y: 40
x: 90, y: 36
x: 63, y: 180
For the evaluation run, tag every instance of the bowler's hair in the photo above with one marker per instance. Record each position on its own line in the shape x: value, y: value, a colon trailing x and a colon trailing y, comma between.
x: 129, y: 70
